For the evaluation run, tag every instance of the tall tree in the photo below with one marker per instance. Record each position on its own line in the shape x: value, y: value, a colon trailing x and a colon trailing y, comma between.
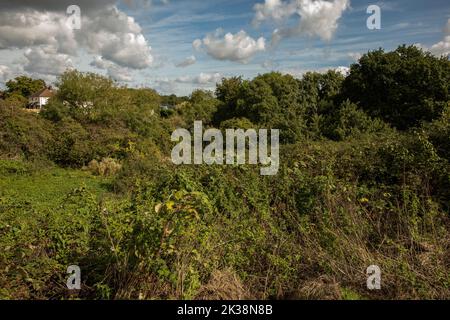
x: 404, y: 87
x: 24, y: 86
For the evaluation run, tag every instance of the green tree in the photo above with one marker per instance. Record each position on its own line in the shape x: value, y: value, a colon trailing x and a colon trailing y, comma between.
x: 403, y: 87
x: 80, y: 90
x: 229, y: 92
x: 351, y: 121
x: 24, y: 86
x: 270, y: 100
x: 201, y: 106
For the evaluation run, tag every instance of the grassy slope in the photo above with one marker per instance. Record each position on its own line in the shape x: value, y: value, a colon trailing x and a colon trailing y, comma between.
x: 45, y: 188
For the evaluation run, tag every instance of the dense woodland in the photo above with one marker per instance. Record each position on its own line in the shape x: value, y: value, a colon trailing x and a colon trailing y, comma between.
x: 364, y: 180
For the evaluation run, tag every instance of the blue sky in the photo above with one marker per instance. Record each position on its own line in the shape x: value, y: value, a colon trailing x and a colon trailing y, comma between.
x: 170, y: 28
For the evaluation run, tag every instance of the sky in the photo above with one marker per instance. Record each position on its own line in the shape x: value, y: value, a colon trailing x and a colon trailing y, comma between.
x: 176, y: 46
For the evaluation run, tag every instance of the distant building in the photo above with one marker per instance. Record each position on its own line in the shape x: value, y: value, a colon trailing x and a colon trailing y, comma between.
x: 40, y: 98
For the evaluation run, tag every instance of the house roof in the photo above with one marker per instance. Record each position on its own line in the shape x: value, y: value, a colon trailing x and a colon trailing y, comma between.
x: 44, y: 93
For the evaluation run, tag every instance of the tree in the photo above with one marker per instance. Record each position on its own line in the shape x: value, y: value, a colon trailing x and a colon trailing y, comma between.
x: 351, y: 121
x: 403, y: 87
x: 229, y: 92
x: 80, y: 90
x: 24, y: 86
x: 270, y: 100
x: 201, y: 106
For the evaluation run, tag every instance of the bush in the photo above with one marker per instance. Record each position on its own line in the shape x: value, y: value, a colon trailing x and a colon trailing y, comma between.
x: 353, y: 122
x: 106, y: 167
x: 24, y: 135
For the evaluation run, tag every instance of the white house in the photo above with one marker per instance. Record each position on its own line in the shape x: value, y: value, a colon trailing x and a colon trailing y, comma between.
x: 40, y: 98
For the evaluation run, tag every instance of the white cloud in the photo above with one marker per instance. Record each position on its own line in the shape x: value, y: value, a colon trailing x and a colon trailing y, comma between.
x: 317, y: 18
x: 300, y: 72
x: 119, y: 74
x: 45, y: 60
x: 99, y: 63
x: 116, y: 37
x: 41, y: 28
x: 238, y: 47
x: 5, y: 73
x: 197, y: 44
x: 203, y: 80
x: 114, y: 71
x: 187, y: 62
x: 275, y: 10
x: 442, y: 48
x: 32, y: 28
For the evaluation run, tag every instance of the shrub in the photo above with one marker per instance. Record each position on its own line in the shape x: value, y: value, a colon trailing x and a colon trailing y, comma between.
x: 23, y: 134
x: 106, y: 167
x: 352, y: 122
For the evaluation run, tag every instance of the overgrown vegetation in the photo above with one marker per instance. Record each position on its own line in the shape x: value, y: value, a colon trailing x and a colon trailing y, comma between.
x: 364, y: 180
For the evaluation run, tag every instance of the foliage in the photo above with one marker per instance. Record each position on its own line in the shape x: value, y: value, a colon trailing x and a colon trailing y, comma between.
x: 201, y: 106
x: 24, y: 86
x: 403, y: 87
x: 89, y: 181
x: 351, y: 122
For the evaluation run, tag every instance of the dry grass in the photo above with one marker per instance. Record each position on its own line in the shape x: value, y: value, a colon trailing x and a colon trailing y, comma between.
x: 106, y: 167
x: 223, y: 285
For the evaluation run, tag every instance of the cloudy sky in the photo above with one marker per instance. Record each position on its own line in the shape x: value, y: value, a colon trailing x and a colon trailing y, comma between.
x: 175, y: 46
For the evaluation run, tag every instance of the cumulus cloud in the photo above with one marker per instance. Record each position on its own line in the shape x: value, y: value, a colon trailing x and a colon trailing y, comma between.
x: 116, y: 37
x: 238, y: 47
x: 46, y: 61
x: 114, y: 71
x: 202, y: 79
x: 99, y: 63
x: 5, y: 73
x: 42, y: 29
x: 33, y: 28
x: 119, y: 74
x: 442, y: 48
x: 187, y: 62
x: 275, y: 10
x: 317, y: 18
x: 300, y: 72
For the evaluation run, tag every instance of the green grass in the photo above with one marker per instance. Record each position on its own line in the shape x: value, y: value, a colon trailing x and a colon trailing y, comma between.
x: 45, y: 188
